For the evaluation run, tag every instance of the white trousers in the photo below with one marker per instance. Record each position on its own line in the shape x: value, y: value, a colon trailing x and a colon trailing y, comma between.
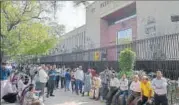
x: 6, y: 87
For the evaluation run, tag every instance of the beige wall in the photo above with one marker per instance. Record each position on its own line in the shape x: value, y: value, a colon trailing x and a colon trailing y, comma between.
x: 112, y: 6
x: 71, y: 40
x: 93, y: 23
x: 161, y: 12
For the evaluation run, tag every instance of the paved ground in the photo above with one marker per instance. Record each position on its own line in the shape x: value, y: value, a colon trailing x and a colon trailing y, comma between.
x: 67, y: 98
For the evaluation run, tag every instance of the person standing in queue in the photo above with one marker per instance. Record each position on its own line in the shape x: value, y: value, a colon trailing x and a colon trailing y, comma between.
x: 43, y: 78
x: 58, y: 70
x: 67, y: 80
x: 79, y: 76
x: 51, y: 81
x: 160, y: 88
x: 73, y: 80
x: 62, y: 74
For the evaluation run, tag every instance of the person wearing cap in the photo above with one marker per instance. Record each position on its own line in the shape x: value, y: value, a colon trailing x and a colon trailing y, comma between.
x: 160, y: 88
x: 146, y: 91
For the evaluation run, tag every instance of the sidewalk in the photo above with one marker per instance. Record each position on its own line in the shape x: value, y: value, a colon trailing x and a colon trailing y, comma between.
x: 67, y: 98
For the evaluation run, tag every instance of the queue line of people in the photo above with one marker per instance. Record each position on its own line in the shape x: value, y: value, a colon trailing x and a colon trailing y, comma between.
x: 104, y: 86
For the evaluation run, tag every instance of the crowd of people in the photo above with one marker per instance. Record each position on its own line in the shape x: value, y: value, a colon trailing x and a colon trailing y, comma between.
x: 104, y: 86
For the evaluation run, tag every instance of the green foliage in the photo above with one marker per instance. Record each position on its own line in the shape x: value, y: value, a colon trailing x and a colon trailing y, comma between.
x: 22, y: 33
x: 126, y: 62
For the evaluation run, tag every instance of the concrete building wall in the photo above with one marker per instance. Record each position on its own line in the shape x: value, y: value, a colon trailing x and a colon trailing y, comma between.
x: 158, y: 14
x: 75, y: 39
x: 93, y: 24
x: 94, y: 13
x: 107, y: 7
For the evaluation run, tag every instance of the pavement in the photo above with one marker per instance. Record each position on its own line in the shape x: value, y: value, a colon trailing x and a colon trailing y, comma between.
x: 67, y: 98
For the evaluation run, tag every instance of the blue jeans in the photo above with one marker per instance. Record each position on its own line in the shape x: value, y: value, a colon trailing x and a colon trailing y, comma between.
x: 124, y: 94
x: 67, y: 84
x: 78, y: 86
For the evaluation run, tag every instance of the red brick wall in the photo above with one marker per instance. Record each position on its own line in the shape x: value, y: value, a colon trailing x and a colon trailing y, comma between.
x: 109, y: 34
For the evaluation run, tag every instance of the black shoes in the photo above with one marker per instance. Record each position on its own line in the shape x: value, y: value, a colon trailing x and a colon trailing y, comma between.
x: 52, y: 95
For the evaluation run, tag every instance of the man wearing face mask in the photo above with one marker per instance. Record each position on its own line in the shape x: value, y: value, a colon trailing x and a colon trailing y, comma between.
x: 160, y: 88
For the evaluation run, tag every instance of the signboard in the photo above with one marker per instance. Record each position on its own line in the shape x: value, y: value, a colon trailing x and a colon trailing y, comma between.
x: 175, y: 18
x: 124, y: 36
x: 97, y: 56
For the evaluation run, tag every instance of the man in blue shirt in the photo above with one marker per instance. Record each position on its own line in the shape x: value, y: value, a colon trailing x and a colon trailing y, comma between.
x: 4, y: 74
x: 67, y: 80
x: 51, y: 81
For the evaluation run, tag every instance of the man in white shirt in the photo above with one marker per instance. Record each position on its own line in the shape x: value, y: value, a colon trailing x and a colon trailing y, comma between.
x: 43, y: 78
x: 79, y: 76
x: 160, y: 88
x: 114, y: 84
x: 62, y: 76
x: 58, y: 71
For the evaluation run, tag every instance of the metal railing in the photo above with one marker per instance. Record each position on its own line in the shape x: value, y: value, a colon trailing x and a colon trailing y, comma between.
x: 155, y: 53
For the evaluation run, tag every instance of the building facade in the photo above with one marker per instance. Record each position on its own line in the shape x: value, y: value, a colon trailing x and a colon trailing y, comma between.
x: 110, y: 23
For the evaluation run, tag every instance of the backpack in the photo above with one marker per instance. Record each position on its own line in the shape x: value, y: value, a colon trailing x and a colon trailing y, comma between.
x: 10, y: 97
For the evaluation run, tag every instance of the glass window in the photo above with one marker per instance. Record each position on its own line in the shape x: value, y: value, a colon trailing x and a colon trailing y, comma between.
x: 124, y: 36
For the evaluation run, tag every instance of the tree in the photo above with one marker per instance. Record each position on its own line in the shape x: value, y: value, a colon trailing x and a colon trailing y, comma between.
x: 126, y: 61
x: 56, y: 29
x: 22, y: 30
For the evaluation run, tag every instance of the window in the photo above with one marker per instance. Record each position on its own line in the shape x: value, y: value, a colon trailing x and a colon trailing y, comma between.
x: 124, y: 36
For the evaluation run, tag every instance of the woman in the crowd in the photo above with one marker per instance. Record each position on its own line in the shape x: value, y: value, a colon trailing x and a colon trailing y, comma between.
x: 30, y: 96
x: 114, y: 84
x: 87, y: 83
x: 67, y: 79
x: 135, y: 90
x: 97, y: 85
